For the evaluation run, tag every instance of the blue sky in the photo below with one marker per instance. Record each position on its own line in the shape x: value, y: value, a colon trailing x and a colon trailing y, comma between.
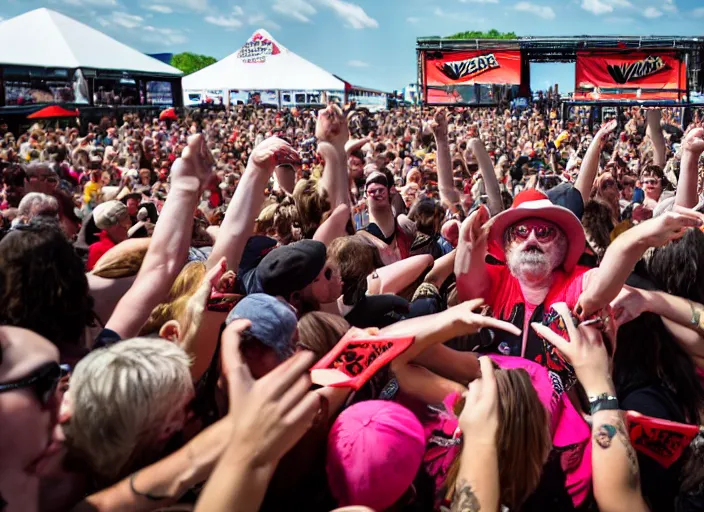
x: 366, y: 42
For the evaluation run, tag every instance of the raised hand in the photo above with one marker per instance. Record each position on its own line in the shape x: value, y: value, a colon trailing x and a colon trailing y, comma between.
x: 474, y: 230
x: 332, y: 126
x: 271, y: 153
x: 585, y: 350
x: 694, y: 141
x: 605, y: 130
x: 469, y: 322
x: 670, y: 226
x: 439, y: 123
x: 480, y: 415
x: 195, y: 165
x: 269, y: 415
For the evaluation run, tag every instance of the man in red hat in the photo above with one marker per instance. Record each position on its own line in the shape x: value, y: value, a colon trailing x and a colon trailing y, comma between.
x: 538, y: 244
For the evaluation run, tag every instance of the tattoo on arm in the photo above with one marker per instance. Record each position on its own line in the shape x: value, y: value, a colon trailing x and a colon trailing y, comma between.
x: 603, y: 437
x: 465, y: 500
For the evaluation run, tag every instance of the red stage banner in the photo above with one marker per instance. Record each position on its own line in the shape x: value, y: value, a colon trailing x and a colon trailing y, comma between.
x: 448, y: 74
x: 636, y: 75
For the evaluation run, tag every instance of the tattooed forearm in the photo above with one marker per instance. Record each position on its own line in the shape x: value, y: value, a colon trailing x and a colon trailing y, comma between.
x: 605, y: 435
x: 465, y: 500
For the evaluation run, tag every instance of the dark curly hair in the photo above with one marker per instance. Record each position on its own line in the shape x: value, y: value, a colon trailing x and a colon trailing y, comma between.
x: 678, y: 267
x: 43, y: 286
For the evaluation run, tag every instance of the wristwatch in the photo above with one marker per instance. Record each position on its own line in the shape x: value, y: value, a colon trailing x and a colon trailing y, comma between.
x: 603, y: 402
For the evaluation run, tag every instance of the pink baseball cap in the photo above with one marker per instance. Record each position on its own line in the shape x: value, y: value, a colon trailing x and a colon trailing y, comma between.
x: 375, y: 449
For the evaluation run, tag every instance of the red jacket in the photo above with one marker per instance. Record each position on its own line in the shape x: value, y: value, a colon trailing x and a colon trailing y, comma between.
x: 99, y: 248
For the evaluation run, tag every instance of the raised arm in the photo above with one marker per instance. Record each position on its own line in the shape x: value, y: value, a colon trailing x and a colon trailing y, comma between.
x: 487, y: 168
x: 169, y: 246
x: 683, y: 318
x: 692, y: 148
x: 470, y: 266
x: 623, y: 254
x: 477, y: 485
x: 653, y: 130
x: 615, y: 473
x: 334, y: 226
x: 168, y: 479
x: 448, y: 194
x: 332, y: 133
x: 590, y: 164
x: 239, y: 220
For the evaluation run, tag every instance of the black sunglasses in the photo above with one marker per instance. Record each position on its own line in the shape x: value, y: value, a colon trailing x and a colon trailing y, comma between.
x: 43, y: 381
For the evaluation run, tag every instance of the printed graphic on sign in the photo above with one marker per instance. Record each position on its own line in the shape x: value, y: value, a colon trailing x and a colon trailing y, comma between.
x: 663, y: 440
x: 257, y: 49
x: 630, y: 72
x: 457, y: 70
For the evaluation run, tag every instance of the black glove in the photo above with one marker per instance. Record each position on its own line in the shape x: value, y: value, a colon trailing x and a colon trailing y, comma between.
x: 377, y: 311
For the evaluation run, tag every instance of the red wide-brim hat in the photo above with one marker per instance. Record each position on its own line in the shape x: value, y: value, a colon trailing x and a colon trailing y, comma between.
x: 532, y: 203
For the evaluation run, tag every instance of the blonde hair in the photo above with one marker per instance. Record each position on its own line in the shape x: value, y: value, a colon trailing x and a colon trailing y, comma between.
x: 319, y: 332
x: 122, y: 397
x: 186, y: 284
x: 123, y: 260
x: 523, y: 441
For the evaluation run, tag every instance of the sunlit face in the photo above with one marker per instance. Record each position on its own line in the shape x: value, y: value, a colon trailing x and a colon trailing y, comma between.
x: 356, y: 167
x: 652, y: 186
x: 378, y: 193
x: 534, y: 249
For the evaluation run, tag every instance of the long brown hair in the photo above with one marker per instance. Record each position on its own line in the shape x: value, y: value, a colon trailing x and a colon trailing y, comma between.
x: 523, y: 441
x: 319, y: 332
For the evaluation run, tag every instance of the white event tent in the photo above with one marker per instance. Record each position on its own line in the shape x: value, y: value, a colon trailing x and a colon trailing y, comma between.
x: 262, y: 65
x: 47, y: 39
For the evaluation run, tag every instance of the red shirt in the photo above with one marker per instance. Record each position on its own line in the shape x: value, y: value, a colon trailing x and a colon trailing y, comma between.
x: 99, y: 248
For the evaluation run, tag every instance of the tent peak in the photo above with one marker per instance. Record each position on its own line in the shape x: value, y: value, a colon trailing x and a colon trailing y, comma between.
x: 260, y: 46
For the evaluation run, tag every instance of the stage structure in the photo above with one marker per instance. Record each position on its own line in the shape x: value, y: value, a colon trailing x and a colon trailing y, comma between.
x: 652, y: 70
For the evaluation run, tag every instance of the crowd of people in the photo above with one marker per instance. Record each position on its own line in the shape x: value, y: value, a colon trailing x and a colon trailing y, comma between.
x: 416, y: 309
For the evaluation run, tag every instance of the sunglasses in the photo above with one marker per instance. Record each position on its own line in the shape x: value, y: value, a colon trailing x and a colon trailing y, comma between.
x: 543, y: 232
x: 607, y: 184
x: 43, y: 381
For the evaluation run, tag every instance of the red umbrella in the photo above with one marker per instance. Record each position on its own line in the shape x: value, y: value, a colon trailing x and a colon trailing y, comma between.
x: 169, y: 113
x: 53, y: 111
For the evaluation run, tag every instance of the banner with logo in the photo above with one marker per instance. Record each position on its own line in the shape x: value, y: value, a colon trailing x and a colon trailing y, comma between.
x: 632, y: 76
x: 454, y: 76
x: 257, y: 49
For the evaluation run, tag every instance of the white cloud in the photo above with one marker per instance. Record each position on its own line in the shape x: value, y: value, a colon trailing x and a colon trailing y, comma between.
x: 357, y: 64
x: 597, y: 6
x: 167, y: 36
x: 412, y: 19
x: 355, y: 16
x: 542, y: 11
x: 163, y: 9
x: 191, y: 5
x: 669, y: 6
x: 121, y: 21
x: 604, y: 6
x: 261, y: 20
x: 224, y: 21
x: 297, y: 9
x: 698, y: 13
x: 479, y: 1
x: 126, y: 20
x: 652, y: 12
x: 106, y: 3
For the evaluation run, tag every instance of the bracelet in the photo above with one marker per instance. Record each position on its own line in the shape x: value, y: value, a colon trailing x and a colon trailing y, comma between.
x: 603, y: 402
x: 150, y: 497
x: 697, y: 321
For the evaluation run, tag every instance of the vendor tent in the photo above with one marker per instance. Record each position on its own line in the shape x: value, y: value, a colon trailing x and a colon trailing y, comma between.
x: 47, y: 39
x: 262, y: 64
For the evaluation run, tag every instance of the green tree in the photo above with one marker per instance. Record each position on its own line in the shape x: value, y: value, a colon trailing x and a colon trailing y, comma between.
x: 478, y: 34
x: 191, y: 62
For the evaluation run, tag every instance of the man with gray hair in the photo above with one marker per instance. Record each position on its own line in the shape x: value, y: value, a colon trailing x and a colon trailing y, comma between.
x: 36, y: 204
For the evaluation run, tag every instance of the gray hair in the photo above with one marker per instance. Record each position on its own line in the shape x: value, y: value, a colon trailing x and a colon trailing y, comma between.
x: 37, y: 204
x: 122, y: 397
